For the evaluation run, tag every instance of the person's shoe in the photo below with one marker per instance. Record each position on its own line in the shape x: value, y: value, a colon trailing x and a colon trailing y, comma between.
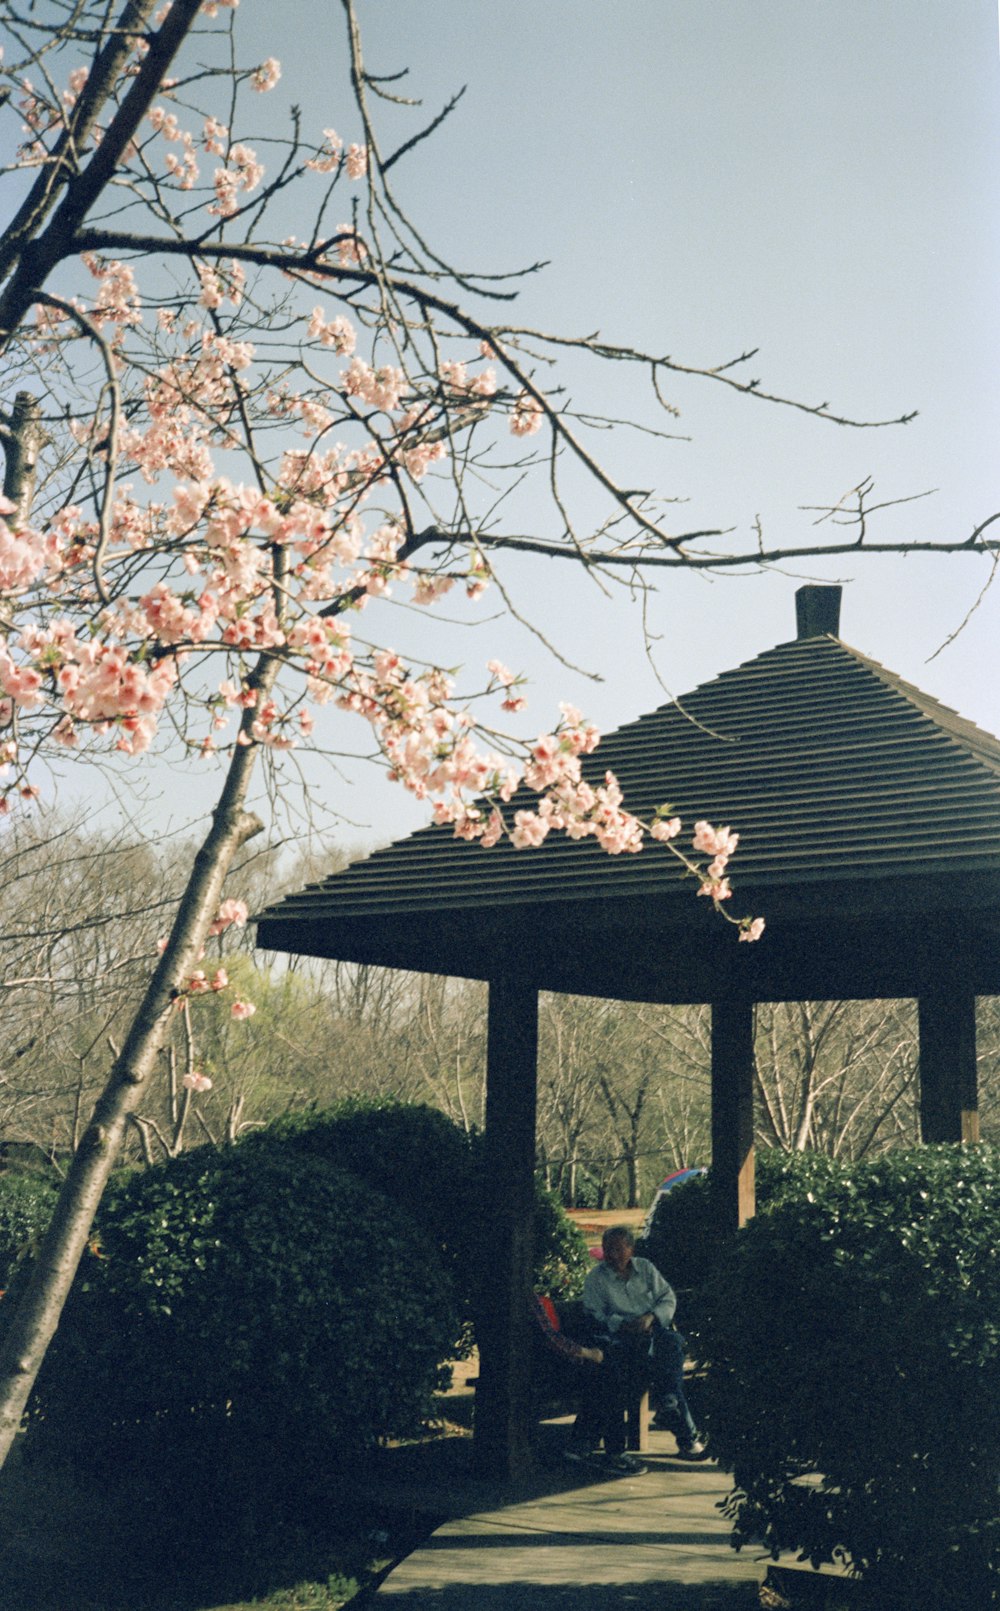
x: 623, y: 1465
x: 581, y: 1453
x: 695, y: 1450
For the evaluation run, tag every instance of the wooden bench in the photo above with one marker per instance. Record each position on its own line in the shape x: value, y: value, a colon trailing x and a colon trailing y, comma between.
x: 637, y: 1413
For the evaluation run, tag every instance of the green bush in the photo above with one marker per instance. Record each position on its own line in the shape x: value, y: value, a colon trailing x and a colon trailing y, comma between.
x: 433, y: 1171
x: 26, y: 1203
x: 684, y: 1240
x: 852, y: 1335
x: 562, y: 1259
x: 252, y: 1299
x: 410, y: 1153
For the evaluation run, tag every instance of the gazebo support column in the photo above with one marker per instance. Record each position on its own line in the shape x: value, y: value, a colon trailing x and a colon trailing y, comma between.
x: 732, y: 1110
x: 504, y: 1399
x: 949, y: 1101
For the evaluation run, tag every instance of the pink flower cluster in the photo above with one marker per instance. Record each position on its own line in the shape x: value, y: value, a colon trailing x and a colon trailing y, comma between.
x: 527, y: 416
x: 230, y: 912
x: 266, y: 75
x: 205, y: 573
x: 720, y: 844
x: 380, y: 388
x: 337, y: 333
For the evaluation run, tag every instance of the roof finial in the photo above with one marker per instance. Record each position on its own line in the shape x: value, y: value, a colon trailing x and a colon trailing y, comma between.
x: 817, y: 610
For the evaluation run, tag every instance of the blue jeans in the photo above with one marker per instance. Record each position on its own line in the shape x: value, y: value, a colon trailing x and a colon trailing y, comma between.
x: 654, y: 1360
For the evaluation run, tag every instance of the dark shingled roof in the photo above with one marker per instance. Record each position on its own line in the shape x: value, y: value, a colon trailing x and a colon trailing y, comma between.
x: 851, y: 790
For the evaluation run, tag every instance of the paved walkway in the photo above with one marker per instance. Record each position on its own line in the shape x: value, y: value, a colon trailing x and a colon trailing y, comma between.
x: 655, y: 1542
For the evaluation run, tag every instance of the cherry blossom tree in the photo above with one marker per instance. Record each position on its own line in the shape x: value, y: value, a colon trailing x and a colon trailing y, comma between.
x: 249, y: 407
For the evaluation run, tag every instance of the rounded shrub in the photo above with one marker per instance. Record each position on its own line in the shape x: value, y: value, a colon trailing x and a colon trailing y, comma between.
x: 410, y: 1153
x: 433, y: 1171
x: 684, y: 1240
x: 562, y: 1259
x: 852, y: 1338
x: 249, y: 1298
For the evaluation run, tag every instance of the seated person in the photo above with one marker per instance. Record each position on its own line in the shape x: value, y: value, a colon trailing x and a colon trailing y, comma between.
x: 600, y: 1414
x: 634, y: 1307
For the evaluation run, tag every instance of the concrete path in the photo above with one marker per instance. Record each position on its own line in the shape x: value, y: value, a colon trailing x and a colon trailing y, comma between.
x: 654, y: 1542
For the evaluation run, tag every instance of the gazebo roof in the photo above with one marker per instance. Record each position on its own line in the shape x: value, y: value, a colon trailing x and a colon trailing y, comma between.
x: 869, y: 822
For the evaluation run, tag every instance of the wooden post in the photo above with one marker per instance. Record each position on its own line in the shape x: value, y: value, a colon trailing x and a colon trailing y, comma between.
x: 732, y: 1110
x: 505, y: 1396
x: 949, y: 1101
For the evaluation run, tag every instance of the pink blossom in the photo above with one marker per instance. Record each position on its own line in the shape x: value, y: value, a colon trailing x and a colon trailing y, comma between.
x: 242, y: 1009
x: 530, y: 829
x: 214, y: 136
x: 266, y: 75
x: 329, y: 157
x: 751, y: 929
x: 338, y: 333
x: 22, y: 557
x: 493, y: 831
x: 527, y: 416
x: 665, y: 828
x: 714, y: 841
x: 356, y: 161
x: 196, y: 1081
x: 231, y: 911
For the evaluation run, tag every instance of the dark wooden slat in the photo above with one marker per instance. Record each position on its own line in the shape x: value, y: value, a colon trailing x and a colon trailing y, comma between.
x: 732, y: 1110
x: 504, y: 1399
x: 949, y: 1103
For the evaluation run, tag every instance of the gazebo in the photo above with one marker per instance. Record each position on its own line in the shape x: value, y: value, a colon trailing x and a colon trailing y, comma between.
x: 869, y: 822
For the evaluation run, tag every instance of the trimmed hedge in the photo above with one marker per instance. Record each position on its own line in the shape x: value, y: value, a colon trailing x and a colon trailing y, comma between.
x: 407, y: 1152
x: 253, y: 1297
x: 684, y: 1241
x: 433, y: 1171
x: 852, y: 1335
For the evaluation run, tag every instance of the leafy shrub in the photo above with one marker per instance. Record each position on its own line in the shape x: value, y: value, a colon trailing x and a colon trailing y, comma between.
x: 256, y: 1298
x: 412, y: 1154
x: 26, y: 1203
x: 562, y: 1259
x: 433, y: 1171
x: 852, y: 1335
x: 684, y: 1240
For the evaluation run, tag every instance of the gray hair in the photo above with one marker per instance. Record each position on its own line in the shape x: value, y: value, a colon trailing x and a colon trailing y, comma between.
x: 613, y: 1232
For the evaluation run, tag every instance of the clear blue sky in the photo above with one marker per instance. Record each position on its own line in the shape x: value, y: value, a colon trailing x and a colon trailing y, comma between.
x: 819, y: 180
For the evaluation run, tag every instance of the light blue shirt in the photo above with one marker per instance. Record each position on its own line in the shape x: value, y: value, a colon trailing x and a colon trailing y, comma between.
x: 612, y: 1298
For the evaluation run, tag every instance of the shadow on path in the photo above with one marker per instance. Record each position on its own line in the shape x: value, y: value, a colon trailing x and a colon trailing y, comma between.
x: 650, y: 1596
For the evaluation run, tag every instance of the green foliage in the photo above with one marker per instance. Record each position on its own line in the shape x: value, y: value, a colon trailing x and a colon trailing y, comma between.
x: 26, y: 1203
x: 852, y: 1334
x: 561, y: 1256
x: 434, y: 1172
x: 249, y: 1299
x: 410, y: 1153
x: 684, y: 1240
